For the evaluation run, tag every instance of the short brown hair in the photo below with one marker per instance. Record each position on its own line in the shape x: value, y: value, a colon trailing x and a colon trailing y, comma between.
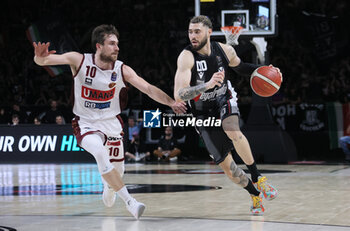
x: 202, y: 19
x: 100, y: 32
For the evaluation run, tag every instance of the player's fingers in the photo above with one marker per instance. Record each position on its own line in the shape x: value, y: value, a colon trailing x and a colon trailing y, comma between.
x: 180, y: 112
x: 220, y: 74
x: 181, y: 108
x: 219, y: 79
x: 218, y: 84
x: 52, y: 52
x: 182, y: 103
x: 274, y: 67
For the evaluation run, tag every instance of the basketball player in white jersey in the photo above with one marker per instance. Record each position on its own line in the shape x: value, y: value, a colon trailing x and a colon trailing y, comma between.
x: 99, y: 96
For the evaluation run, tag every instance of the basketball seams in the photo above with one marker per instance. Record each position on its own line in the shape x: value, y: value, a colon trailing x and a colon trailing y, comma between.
x: 256, y: 74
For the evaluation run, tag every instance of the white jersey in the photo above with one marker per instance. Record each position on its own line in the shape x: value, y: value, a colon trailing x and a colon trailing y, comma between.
x: 98, y: 93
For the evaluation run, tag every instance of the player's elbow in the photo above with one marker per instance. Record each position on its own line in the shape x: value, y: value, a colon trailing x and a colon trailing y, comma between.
x: 177, y: 96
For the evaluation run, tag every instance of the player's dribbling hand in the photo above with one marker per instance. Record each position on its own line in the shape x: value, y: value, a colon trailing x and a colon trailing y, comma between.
x: 179, y: 107
x: 216, y: 80
x: 277, y: 69
x: 42, y: 49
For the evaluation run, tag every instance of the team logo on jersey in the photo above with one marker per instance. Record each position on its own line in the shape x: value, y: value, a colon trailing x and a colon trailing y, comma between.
x: 114, y: 76
x: 93, y: 94
x: 201, y: 67
x: 219, y: 60
x: 111, y: 85
x: 88, y: 81
x: 151, y: 118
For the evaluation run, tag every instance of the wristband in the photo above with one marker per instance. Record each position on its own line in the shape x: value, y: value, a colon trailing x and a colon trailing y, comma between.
x: 245, y: 69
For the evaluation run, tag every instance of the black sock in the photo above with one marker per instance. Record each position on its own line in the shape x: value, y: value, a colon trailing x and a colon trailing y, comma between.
x: 251, y: 189
x: 253, y: 172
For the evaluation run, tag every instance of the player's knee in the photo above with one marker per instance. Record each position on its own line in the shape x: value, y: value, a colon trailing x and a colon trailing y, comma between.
x: 94, y: 145
x: 103, y: 163
x: 238, y: 175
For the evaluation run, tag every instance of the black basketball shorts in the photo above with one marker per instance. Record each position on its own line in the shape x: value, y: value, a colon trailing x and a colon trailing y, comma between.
x: 215, y: 139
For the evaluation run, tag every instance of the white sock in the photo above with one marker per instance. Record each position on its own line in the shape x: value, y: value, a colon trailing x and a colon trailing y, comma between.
x: 124, y: 194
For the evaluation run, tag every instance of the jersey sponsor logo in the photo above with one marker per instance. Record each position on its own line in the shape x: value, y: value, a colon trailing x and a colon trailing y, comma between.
x: 88, y: 81
x: 113, y: 138
x: 213, y: 94
x: 201, y: 67
x: 97, y: 95
x: 97, y: 105
x: 113, y: 143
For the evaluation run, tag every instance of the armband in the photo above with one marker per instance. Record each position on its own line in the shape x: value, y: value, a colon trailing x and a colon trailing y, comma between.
x: 245, y: 69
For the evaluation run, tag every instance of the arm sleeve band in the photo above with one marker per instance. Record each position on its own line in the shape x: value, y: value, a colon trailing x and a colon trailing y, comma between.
x: 245, y: 69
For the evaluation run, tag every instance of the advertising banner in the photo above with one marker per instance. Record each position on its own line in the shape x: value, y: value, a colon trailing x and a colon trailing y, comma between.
x: 40, y: 143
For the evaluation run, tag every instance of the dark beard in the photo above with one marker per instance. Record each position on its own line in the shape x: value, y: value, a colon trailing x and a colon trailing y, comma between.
x: 201, y: 45
x: 106, y: 59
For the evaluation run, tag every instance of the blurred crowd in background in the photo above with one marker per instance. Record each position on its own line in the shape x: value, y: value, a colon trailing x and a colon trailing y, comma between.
x: 311, y: 50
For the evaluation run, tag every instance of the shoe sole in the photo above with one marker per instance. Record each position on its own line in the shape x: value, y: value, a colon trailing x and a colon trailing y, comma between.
x: 140, y: 211
x: 269, y: 198
x: 106, y: 204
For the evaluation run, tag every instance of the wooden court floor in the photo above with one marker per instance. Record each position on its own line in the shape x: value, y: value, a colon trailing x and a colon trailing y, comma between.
x: 177, y: 196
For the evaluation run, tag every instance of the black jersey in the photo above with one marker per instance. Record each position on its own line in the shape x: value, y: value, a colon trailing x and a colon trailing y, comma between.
x: 204, y: 67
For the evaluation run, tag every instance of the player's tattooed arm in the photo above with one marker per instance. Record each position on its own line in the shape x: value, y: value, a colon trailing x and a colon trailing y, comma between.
x: 189, y: 93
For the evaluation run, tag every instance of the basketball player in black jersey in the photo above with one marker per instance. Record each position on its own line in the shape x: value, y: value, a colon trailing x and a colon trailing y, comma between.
x: 202, y: 79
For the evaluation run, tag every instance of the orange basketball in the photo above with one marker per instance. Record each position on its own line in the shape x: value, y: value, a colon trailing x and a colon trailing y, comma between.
x: 265, y: 81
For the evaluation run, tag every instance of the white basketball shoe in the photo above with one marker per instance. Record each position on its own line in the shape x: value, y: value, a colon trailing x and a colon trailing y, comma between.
x: 135, y: 208
x: 108, y: 196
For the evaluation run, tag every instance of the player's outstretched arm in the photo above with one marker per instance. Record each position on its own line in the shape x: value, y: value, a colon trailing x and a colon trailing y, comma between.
x: 183, y: 90
x: 152, y: 91
x: 44, y: 57
x: 241, y: 68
